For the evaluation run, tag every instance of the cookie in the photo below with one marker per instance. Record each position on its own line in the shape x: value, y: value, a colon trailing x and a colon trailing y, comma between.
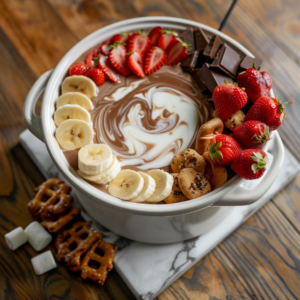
x: 175, y: 186
x: 175, y: 197
x: 216, y: 177
x: 193, y: 184
x: 188, y: 158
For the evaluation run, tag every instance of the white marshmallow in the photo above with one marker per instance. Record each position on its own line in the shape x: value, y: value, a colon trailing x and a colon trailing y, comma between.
x: 43, y: 263
x: 37, y: 236
x: 15, y: 238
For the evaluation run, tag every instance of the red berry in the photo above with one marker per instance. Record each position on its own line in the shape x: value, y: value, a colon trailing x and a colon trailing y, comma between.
x: 252, y: 134
x: 96, y: 75
x: 89, y: 59
x: 176, y: 52
x: 155, y: 58
x: 228, y: 99
x: 223, y: 149
x: 257, y: 84
x: 106, y: 67
x: 138, y: 42
x: 78, y: 68
x: 165, y: 39
x: 118, y: 58
x: 267, y: 110
x: 135, y: 63
x: 154, y: 35
x: 105, y: 48
x: 250, y: 164
x: 119, y: 38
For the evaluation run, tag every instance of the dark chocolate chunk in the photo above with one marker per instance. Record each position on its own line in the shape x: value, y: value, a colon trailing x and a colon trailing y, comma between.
x: 211, y: 78
x: 197, y: 77
x: 188, y: 37
x: 212, y: 48
x: 189, y: 63
x: 226, y: 61
x: 248, y: 61
x: 201, y: 40
x: 201, y: 60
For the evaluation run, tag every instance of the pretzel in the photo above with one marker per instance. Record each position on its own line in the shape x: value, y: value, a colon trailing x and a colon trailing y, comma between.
x: 54, y: 225
x: 105, y: 261
x: 57, y: 201
x: 82, y: 237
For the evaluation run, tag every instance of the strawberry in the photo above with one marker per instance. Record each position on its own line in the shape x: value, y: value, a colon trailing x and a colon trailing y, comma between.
x: 135, y: 63
x: 78, y: 68
x: 155, y: 58
x: 165, y: 39
x: 105, y: 48
x: 176, y: 52
x: 118, y: 58
x: 250, y: 164
x: 228, y: 99
x: 257, y: 84
x: 223, y: 149
x: 96, y: 75
x: 154, y: 35
x: 138, y: 42
x: 89, y: 59
x: 267, y: 110
x: 106, y: 67
x: 252, y: 134
x: 119, y: 38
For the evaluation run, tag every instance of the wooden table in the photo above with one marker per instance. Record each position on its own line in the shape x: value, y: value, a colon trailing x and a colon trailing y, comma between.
x: 260, y: 260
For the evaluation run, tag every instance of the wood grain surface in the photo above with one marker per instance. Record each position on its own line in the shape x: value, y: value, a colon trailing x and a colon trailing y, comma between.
x: 260, y: 260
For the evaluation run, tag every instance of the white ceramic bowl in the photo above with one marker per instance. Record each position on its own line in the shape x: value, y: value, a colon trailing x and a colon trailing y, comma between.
x: 143, y: 222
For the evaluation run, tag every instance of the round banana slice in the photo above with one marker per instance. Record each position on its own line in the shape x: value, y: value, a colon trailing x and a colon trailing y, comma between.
x: 75, y: 98
x: 74, y: 134
x: 148, y: 188
x: 164, y: 183
x: 127, y: 185
x: 94, y: 159
x: 105, y: 177
x: 80, y: 84
x: 70, y: 111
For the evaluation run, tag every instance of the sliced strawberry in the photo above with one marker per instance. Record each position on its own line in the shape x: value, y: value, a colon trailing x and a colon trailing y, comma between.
x: 107, y: 68
x: 96, y: 75
x: 176, y: 52
x: 89, y: 59
x: 105, y: 48
x: 118, y: 58
x: 165, y: 39
x: 138, y: 42
x: 155, y: 58
x: 119, y: 38
x: 78, y: 68
x: 135, y: 63
x: 154, y: 35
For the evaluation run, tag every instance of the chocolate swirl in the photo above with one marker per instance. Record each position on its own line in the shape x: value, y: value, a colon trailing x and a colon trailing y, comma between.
x: 147, y: 121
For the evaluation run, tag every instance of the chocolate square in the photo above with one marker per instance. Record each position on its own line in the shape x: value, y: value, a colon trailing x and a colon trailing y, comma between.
x: 212, y: 48
x: 201, y: 60
x: 226, y: 61
x: 211, y: 78
x: 188, y: 37
x: 248, y: 61
x: 189, y: 63
x: 196, y: 75
x: 201, y: 40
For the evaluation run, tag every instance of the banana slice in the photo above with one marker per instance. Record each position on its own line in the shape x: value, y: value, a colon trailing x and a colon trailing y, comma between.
x: 127, y: 185
x: 105, y: 177
x: 94, y: 159
x: 70, y: 111
x: 148, y: 189
x: 75, y: 98
x: 74, y: 134
x: 81, y: 84
x: 164, y: 183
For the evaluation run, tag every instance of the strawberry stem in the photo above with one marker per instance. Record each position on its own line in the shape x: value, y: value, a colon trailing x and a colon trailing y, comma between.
x: 116, y: 44
x: 187, y: 46
x: 261, y: 161
x: 214, y: 152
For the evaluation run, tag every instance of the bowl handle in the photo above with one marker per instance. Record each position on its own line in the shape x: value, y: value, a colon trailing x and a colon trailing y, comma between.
x: 32, y: 121
x: 240, y: 195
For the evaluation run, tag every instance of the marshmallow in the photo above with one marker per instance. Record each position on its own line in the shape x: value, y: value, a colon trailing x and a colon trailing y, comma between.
x: 43, y: 262
x: 15, y: 238
x: 37, y: 236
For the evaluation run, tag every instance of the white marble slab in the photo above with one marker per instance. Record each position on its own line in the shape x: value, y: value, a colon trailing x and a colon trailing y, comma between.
x: 149, y: 269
